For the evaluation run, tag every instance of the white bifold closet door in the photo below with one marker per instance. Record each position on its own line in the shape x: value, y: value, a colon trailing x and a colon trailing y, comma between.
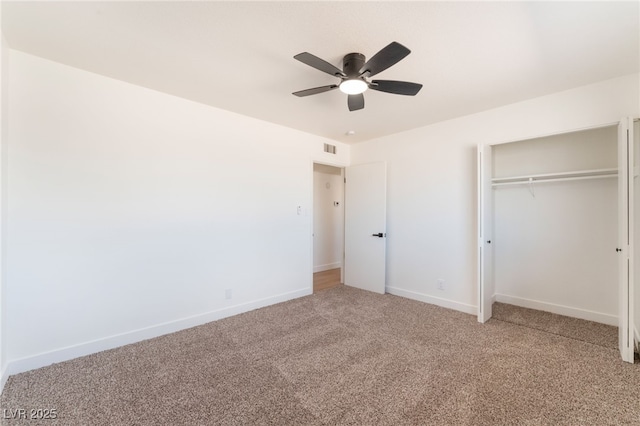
x: 625, y: 247
x: 485, y: 221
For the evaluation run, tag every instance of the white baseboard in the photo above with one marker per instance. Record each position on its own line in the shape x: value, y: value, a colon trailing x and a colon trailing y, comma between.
x: 326, y: 267
x: 559, y: 309
x: 64, y: 354
x: 4, y: 376
x: 438, y: 301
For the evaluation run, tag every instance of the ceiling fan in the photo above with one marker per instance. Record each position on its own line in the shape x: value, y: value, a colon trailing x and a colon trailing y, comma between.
x: 355, y: 72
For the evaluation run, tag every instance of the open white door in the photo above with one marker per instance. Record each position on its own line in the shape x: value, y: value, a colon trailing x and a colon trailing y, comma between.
x: 635, y: 291
x: 625, y: 239
x: 485, y: 230
x: 365, y: 226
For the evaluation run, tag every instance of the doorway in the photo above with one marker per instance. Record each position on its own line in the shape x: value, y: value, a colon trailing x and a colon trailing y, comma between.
x: 328, y: 226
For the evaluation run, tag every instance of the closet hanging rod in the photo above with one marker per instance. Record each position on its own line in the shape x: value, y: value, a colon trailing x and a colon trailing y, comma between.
x: 561, y: 179
x: 545, y: 176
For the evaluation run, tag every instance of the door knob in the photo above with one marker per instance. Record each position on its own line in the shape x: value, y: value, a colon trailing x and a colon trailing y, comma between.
x: 379, y: 235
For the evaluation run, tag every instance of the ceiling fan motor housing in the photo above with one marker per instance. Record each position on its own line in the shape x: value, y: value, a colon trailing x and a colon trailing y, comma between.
x: 351, y: 64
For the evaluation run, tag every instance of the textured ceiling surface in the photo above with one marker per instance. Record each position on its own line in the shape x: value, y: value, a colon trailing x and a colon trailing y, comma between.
x: 238, y: 56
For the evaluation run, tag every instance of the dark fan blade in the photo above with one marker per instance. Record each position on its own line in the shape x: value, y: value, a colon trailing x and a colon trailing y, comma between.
x: 355, y: 102
x: 388, y: 56
x: 315, y: 90
x: 317, y: 63
x: 396, y: 87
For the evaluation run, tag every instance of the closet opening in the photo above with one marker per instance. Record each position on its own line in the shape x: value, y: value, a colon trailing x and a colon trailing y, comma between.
x: 548, y: 246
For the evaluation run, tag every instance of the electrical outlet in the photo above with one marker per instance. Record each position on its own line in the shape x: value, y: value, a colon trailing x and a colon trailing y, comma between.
x: 440, y: 284
x: 228, y: 294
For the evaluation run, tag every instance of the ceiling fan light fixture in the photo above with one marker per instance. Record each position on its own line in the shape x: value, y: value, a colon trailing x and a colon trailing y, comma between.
x: 353, y: 86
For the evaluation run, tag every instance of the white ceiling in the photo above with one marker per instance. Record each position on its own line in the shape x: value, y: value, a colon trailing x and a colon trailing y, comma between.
x: 238, y: 56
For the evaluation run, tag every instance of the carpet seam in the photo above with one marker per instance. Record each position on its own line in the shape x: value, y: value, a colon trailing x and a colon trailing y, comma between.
x: 554, y: 334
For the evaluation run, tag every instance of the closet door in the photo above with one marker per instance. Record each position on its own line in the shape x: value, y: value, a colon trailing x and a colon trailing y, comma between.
x: 625, y: 239
x: 485, y: 229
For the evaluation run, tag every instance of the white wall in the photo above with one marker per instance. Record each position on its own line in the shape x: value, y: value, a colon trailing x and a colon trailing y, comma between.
x: 4, y: 130
x: 132, y: 212
x: 554, y: 242
x: 328, y: 219
x: 431, y: 193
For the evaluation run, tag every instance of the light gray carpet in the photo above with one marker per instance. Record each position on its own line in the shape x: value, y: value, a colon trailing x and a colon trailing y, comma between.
x: 341, y: 356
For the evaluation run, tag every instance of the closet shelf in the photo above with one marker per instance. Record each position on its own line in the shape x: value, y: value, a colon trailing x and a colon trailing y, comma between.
x: 555, y: 177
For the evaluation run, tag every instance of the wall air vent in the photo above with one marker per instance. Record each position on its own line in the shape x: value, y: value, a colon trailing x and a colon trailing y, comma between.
x: 331, y: 149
